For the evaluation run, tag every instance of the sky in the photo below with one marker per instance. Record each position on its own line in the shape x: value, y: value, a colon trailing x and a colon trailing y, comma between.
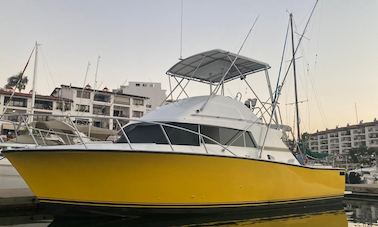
x: 337, y: 61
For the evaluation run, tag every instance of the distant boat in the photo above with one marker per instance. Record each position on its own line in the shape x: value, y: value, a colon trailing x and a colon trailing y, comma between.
x: 199, y: 154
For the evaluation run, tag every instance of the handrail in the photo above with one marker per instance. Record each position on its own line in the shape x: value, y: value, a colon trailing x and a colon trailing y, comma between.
x: 130, y: 120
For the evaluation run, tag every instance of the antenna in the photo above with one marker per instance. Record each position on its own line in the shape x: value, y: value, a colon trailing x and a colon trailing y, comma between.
x: 355, y: 109
x: 85, y: 80
x: 182, y: 16
x: 98, y: 62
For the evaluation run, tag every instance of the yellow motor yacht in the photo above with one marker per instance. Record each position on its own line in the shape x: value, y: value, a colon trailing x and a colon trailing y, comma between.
x: 203, y: 153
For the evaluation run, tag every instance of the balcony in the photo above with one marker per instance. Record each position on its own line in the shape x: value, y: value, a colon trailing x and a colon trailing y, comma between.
x: 359, y: 131
x: 123, y: 100
x: 334, y: 141
x: 120, y: 111
x: 346, y: 145
x: 362, y: 137
x: 15, y: 101
x: 345, y: 133
x: 346, y: 139
x: 43, y: 105
x: 102, y: 97
x: 101, y: 110
x: 359, y: 144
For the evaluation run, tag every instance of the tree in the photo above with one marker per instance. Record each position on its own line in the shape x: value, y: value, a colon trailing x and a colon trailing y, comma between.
x: 363, y: 155
x: 17, y: 81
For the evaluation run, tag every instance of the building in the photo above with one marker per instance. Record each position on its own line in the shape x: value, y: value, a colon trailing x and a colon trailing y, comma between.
x: 21, y: 103
x: 340, y: 140
x: 88, y: 103
x: 151, y: 90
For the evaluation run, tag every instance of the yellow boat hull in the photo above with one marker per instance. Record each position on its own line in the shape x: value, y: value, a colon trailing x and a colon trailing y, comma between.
x: 133, y: 179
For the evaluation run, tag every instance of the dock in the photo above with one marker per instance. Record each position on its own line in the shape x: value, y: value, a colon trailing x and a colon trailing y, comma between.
x: 362, y: 190
x: 17, y: 198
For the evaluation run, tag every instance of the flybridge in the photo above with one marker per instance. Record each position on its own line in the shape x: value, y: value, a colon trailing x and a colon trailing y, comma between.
x: 211, y: 66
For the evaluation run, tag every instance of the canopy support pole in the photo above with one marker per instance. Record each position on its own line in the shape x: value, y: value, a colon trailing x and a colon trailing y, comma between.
x: 183, y: 89
x: 170, y: 94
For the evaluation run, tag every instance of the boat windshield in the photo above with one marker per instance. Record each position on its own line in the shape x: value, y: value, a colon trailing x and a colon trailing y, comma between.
x: 153, y: 133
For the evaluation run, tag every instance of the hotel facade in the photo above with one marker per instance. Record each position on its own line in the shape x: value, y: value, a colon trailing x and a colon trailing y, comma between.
x: 83, y: 104
x: 339, y: 141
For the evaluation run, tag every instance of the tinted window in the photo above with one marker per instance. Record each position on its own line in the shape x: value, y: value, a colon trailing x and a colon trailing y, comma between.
x: 210, y: 131
x: 152, y: 133
x: 222, y: 135
x: 181, y: 137
x: 248, y: 140
x: 143, y: 133
x: 228, y: 136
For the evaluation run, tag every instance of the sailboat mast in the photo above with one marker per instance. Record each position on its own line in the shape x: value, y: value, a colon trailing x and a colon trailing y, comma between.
x: 295, y: 80
x: 34, y: 78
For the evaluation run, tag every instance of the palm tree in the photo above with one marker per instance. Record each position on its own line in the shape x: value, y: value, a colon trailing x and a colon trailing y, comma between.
x: 17, y: 81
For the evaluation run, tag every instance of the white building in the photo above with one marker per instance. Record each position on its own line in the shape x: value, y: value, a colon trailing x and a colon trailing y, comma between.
x: 21, y: 103
x: 88, y: 103
x: 342, y: 140
x: 151, y: 90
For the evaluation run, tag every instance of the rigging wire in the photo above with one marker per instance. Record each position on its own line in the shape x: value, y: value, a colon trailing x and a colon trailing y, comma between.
x: 298, y: 44
x: 278, y: 88
x: 47, y: 66
x: 14, y: 90
x: 216, y: 89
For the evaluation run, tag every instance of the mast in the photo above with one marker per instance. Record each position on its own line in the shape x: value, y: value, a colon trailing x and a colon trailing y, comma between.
x: 34, y: 78
x: 295, y: 80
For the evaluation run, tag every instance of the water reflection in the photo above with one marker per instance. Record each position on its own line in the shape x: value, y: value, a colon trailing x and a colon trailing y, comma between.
x: 362, y: 211
x: 352, y: 213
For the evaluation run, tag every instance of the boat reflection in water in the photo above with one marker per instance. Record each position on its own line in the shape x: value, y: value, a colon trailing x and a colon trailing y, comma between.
x: 318, y: 219
x: 332, y: 215
x: 362, y: 211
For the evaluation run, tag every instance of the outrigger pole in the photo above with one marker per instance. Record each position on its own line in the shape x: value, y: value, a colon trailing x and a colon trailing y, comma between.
x: 216, y: 89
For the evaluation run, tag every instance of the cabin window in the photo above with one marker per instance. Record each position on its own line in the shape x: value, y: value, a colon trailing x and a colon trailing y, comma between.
x: 143, y: 133
x: 182, y: 137
x: 152, y: 133
x: 224, y: 136
x: 249, y: 140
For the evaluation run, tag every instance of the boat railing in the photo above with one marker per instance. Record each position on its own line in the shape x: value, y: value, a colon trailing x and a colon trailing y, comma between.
x: 40, y: 136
